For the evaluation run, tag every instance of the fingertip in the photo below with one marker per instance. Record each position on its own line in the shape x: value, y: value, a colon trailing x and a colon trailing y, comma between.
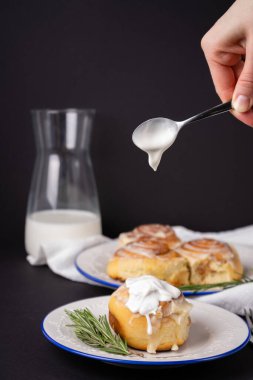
x: 241, y: 103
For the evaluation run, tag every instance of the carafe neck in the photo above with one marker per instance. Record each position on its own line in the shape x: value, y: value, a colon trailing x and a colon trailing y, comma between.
x: 62, y: 130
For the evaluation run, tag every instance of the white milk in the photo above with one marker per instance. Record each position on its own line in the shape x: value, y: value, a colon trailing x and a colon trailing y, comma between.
x: 53, y: 225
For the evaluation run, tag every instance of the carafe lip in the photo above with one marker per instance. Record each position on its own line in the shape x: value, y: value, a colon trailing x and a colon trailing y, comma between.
x: 63, y: 110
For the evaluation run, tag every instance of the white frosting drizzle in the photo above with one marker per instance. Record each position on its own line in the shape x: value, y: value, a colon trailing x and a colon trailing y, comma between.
x: 140, y: 251
x: 140, y: 248
x: 157, y: 230
x: 151, y: 230
x: 145, y: 293
x: 199, y: 249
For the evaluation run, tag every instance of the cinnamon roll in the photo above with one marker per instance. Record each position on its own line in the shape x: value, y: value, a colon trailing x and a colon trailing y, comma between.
x: 211, y: 261
x: 158, y: 231
x: 149, y: 256
x: 150, y: 314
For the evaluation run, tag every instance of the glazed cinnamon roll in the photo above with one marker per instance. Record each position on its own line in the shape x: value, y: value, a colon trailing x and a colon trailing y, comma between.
x: 150, y: 314
x: 149, y: 256
x: 211, y: 261
x: 158, y: 231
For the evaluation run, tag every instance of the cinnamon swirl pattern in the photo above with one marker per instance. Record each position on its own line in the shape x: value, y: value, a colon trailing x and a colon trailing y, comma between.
x: 159, y: 231
x: 150, y: 256
x: 211, y: 261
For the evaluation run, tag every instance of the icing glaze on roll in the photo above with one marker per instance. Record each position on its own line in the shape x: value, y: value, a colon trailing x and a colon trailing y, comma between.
x: 145, y: 246
x: 158, y: 231
x: 150, y: 314
x: 155, y: 230
x: 145, y: 293
x: 206, y: 248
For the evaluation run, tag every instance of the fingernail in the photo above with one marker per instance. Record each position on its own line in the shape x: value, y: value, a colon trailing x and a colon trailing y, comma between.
x: 241, y: 103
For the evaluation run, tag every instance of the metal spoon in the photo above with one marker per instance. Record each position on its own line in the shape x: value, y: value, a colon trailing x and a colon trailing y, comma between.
x: 154, y: 136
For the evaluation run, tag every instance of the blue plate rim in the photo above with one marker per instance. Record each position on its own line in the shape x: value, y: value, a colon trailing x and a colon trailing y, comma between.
x: 116, y: 286
x: 140, y: 363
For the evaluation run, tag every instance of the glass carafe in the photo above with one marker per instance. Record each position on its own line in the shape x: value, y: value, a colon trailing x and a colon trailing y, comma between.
x: 63, y: 201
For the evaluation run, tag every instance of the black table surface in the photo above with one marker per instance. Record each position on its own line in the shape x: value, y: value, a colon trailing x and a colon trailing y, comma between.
x: 29, y: 293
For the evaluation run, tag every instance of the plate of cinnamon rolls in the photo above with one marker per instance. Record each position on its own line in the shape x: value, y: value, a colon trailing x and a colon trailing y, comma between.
x: 158, y: 325
x: 156, y: 250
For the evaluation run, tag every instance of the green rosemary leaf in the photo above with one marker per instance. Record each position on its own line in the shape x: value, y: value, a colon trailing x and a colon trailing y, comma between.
x: 220, y: 285
x: 96, y: 332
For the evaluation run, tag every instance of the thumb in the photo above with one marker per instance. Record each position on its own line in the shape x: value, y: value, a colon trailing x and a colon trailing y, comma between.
x: 243, y: 94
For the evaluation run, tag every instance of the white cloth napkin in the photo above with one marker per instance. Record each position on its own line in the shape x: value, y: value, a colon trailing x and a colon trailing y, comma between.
x: 235, y: 299
x: 242, y: 235
x: 60, y: 257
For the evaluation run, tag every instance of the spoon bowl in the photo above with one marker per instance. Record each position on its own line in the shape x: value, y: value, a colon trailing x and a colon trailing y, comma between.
x: 155, y: 133
x: 154, y: 136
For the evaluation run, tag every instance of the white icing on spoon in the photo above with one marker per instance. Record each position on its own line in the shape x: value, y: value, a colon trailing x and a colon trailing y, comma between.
x: 154, y: 136
x: 145, y: 293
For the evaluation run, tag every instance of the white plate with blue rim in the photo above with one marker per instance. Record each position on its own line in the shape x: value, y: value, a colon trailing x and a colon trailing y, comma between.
x: 92, y: 264
x: 215, y: 333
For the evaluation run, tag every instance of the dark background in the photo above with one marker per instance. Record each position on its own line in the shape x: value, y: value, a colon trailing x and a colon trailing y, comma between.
x: 131, y: 60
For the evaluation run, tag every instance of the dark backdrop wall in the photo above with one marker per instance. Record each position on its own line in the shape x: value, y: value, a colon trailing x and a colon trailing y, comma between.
x: 131, y: 60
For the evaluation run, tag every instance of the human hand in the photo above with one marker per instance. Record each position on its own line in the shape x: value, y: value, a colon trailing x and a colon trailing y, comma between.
x: 228, y: 48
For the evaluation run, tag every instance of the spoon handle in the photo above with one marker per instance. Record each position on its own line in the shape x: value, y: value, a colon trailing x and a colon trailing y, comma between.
x: 223, y: 107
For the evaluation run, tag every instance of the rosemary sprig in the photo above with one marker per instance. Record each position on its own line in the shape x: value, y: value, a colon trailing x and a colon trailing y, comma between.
x: 223, y: 285
x: 96, y: 332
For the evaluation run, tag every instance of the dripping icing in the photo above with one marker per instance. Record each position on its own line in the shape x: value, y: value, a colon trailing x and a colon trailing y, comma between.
x: 145, y: 293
